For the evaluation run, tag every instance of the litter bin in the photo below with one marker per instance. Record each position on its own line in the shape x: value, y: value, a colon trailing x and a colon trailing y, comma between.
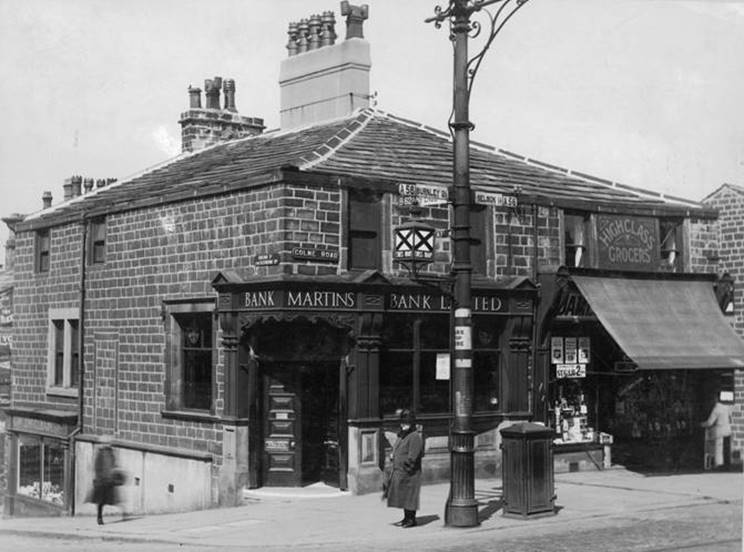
x: 527, y: 470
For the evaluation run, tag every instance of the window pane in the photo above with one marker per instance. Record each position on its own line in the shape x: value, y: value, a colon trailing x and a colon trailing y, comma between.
x: 364, y: 229
x: 486, y: 381
x: 53, y: 489
x: 434, y: 393
x: 396, y: 381
x: 575, y: 238
x: 197, y: 379
x: 435, y: 332
x: 59, y: 351
x: 29, y: 467
x: 99, y: 252
x: 74, y: 356
x: 398, y: 332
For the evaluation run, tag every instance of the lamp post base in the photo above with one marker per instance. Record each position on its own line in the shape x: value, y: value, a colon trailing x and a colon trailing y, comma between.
x: 462, y: 513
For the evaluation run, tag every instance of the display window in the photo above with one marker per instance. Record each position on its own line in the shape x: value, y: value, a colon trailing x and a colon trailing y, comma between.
x: 41, y: 469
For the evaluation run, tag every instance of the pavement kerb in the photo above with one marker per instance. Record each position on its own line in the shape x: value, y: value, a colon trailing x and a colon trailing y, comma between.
x: 577, y: 495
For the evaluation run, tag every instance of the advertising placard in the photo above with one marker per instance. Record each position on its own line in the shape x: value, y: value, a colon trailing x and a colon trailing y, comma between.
x: 584, y: 350
x: 569, y: 350
x: 570, y: 371
x: 556, y: 350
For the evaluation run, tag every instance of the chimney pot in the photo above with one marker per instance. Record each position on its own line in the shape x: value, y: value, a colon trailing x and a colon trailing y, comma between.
x: 67, y: 189
x: 77, y: 181
x: 328, y: 35
x: 302, y: 43
x: 212, y: 91
x: 229, y: 89
x: 314, y: 32
x: 292, y: 42
x: 100, y: 183
x: 46, y: 199
x: 355, y: 17
x: 88, y: 184
x: 194, y: 98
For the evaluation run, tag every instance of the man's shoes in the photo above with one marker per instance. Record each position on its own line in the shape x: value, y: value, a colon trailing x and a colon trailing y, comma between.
x: 408, y: 523
x: 400, y: 523
x: 100, y: 521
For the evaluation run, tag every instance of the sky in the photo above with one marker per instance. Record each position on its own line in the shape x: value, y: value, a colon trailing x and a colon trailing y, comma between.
x: 649, y: 93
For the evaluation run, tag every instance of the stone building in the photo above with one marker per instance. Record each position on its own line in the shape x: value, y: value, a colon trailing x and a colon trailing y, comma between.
x: 729, y: 256
x: 238, y: 317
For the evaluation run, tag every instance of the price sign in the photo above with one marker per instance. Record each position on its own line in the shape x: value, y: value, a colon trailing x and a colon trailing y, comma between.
x: 570, y: 371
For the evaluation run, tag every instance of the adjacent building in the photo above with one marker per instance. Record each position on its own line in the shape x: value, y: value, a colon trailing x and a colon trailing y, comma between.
x: 729, y: 257
x: 240, y: 317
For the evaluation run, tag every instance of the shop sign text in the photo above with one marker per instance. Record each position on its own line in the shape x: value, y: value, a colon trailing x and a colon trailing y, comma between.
x: 570, y: 371
x: 627, y: 242
x: 427, y: 302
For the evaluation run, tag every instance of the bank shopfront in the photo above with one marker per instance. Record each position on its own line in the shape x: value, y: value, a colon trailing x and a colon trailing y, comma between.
x: 317, y: 367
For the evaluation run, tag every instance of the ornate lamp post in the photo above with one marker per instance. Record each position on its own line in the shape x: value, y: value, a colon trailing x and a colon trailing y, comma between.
x: 462, y: 509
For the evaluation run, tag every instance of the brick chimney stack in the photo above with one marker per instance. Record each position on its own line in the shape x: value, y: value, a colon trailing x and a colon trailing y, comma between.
x: 202, y: 127
x: 320, y: 79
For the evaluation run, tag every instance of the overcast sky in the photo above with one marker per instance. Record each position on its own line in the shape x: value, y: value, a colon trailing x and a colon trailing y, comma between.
x: 644, y: 92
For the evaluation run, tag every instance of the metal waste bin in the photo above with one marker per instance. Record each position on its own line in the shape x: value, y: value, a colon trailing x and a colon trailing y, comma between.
x: 527, y: 470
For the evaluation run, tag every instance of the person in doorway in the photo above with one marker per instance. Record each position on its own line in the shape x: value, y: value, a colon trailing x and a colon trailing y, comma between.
x: 106, y: 477
x: 404, y: 488
x: 718, y: 429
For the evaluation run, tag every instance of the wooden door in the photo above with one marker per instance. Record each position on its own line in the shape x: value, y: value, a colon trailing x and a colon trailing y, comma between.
x: 282, y: 465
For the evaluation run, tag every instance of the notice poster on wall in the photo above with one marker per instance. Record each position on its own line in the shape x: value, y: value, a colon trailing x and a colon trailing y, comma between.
x: 569, y: 350
x: 584, y: 350
x: 556, y: 350
x: 443, y: 366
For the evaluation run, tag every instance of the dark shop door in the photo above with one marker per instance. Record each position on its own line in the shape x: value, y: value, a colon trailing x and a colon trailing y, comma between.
x: 301, y: 424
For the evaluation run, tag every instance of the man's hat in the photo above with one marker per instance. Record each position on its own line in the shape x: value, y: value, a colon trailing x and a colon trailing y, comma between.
x: 407, y: 416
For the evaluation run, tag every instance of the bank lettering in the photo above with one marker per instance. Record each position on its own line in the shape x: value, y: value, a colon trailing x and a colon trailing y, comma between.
x: 427, y: 302
x: 321, y: 299
x: 259, y: 299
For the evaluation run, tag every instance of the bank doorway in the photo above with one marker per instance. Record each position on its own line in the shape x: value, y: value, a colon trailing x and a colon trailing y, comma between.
x: 301, y: 424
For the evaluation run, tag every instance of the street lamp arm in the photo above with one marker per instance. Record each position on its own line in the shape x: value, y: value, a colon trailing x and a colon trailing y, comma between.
x: 497, y: 22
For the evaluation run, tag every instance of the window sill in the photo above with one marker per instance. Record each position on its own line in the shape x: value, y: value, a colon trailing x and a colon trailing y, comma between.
x: 71, y: 392
x: 191, y: 416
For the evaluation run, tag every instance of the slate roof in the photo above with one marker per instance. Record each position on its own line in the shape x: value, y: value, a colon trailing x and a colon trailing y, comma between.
x: 370, y: 143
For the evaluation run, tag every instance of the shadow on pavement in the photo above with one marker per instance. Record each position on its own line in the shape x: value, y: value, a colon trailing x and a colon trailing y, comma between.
x: 426, y: 520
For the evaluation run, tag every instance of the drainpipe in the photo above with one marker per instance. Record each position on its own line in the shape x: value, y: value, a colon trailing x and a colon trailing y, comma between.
x: 81, y: 356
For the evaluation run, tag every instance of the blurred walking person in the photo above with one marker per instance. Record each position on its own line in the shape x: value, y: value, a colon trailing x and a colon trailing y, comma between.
x: 106, y: 478
x: 404, y: 488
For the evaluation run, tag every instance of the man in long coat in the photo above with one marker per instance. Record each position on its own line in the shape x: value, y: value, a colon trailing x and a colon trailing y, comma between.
x: 404, y: 488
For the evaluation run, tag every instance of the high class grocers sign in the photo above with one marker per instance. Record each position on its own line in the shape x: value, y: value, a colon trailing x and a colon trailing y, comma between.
x: 626, y: 242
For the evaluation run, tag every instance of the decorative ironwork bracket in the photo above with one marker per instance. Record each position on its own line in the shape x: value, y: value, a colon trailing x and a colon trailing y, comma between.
x: 458, y: 13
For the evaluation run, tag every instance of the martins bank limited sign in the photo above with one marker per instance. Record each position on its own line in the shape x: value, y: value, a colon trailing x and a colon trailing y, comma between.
x: 627, y: 242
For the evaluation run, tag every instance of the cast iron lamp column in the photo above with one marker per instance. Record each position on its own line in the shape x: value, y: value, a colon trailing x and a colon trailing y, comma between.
x: 461, y: 509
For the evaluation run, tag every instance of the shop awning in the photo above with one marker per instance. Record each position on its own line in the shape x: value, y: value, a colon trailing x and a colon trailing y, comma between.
x: 664, y: 324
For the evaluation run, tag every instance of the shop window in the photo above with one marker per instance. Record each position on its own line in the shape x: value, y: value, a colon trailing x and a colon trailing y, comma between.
x: 408, y: 375
x: 364, y: 219
x: 478, y: 242
x: 64, y: 351
x: 41, y: 469
x: 486, y: 367
x: 671, y: 244
x: 576, y: 235
x: 43, y: 242
x: 97, y: 241
x: 191, y: 356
